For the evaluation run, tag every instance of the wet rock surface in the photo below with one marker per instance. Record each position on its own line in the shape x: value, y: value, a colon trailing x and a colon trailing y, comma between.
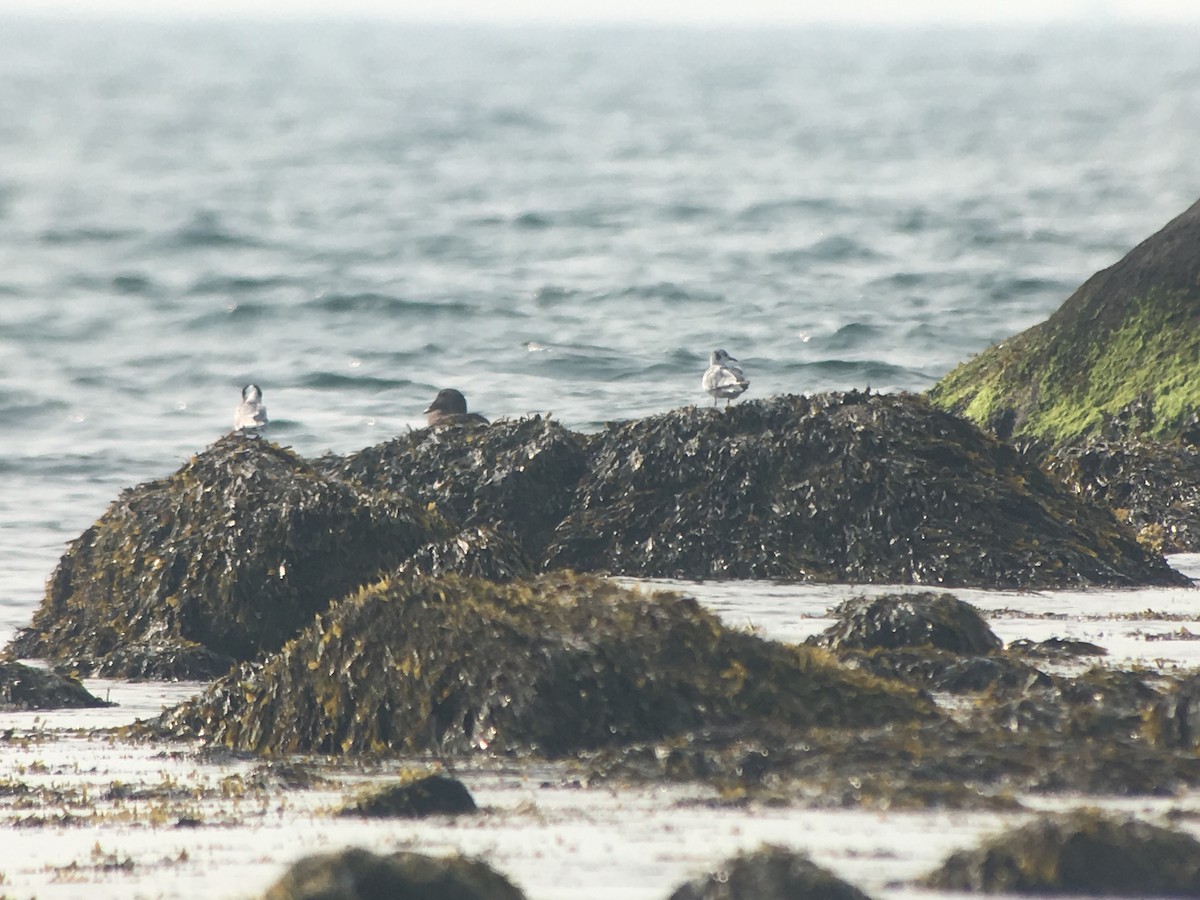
x: 26, y: 687
x: 836, y: 487
x: 1084, y: 852
x: 424, y: 796
x: 516, y: 476
x: 771, y: 873
x: 550, y: 666
x: 357, y: 874
x: 227, y: 558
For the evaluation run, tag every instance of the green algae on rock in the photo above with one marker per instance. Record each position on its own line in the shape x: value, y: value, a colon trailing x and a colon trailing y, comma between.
x: 770, y: 873
x: 24, y: 687
x: 1082, y: 852
x: 517, y: 475
x: 357, y: 874
x: 852, y: 487
x: 1130, y: 334
x: 230, y: 556
x: 549, y: 666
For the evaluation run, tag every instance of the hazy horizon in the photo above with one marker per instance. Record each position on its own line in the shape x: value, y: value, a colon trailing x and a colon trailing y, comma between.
x: 711, y: 12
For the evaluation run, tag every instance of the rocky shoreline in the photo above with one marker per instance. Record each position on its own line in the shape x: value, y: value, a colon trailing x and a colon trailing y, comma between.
x: 446, y: 593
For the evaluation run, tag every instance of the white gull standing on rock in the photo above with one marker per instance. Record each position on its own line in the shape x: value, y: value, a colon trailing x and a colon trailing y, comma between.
x: 722, y: 380
x: 250, y: 414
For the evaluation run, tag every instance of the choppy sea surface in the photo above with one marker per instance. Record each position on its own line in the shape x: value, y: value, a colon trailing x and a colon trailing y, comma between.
x: 553, y: 220
x: 567, y: 220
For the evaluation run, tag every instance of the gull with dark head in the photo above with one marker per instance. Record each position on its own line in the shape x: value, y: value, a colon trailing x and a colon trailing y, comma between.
x: 722, y: 379
x: 250, y: 414
x: 449, y: 407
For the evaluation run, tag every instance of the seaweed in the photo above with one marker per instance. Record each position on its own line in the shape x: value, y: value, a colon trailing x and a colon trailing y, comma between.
x: 769, y: 873
x: 358, y: 874
x: 225, y: 559
x: 853, y: 486
x: 24, y: 687
x: 416, y: 798
x: 547, y: 666
x: 516, y: 476
x: 1082, y: 852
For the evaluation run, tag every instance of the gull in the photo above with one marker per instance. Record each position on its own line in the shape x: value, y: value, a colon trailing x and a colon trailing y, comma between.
x: 250, y: 414
x: 723, y: 380
x: 449, y: 407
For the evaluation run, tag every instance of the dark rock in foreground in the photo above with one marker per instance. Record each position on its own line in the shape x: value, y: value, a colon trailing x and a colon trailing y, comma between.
x: 25, y: 687
x: 357, y: 874
x: 1128, y: 338
x: 926, y: 619
x: 550, y: 666
x: 430, y: 795
x: 837, y: 487
x: 772, y: 873
x: 228, y: 557
x: 518, y: 476
x: 1084, y: 852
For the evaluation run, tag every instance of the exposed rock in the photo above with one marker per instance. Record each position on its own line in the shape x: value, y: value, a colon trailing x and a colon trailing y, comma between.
x: 518, y: 476
x: 425, y: 796
x: 1083, y: 852
x: 926, y: 619
x: 553, y: 665
x: 771, y: 873
x: 230, y: 556
x: 836, y: 487
x: 26, y: 687
x: 357, y: 874
x: 1121, y: 351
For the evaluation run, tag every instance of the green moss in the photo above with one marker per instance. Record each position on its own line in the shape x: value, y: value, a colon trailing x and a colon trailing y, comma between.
x: 1063, y: 379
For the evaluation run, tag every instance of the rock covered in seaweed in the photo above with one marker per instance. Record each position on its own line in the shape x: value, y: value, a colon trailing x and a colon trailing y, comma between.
x: 517, y: 476
x: 231, y: 555
x: 1083, y: 852
x: 770, y: 873
x: 909, y: 620
x: 1128, y: 337
x: 836, y: 487
x: 551, y: 666
x: 24, y: 687
x: 429, y: 795
x: 1152, y: 486
x: 357, y: 874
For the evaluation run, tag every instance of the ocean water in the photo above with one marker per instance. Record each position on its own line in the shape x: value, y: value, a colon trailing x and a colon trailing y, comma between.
x: 557, y: 220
